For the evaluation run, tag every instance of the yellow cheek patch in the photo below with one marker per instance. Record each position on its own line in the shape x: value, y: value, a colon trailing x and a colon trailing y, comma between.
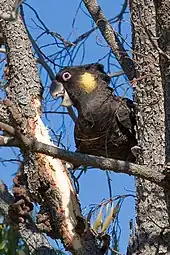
x: 87, y: 82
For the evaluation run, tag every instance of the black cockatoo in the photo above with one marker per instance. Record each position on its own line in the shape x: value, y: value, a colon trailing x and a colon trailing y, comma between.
x: 105, y: 123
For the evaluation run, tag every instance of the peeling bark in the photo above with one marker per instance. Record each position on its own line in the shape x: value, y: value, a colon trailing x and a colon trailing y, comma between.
x: 46, y: 179
x: 28, y: 232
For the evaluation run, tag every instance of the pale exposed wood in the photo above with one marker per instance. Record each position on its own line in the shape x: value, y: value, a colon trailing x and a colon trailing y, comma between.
x: 47, y: 179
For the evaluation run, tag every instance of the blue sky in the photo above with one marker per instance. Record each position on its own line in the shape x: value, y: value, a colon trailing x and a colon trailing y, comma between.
x: 58, y: 16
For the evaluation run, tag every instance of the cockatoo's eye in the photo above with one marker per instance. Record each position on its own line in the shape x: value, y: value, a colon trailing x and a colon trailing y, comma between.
x: 66, y: 76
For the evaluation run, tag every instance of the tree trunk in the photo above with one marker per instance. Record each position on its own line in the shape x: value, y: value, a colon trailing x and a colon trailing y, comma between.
x: 45, y: 179
x: 148, y: 23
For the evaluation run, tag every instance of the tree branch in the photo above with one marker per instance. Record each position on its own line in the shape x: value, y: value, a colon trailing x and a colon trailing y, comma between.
x: 111, y: 75
x: 46, y: 179
x: 8, y: 141
x: 75, y: 158
x: 111, y: 38
x: 103, y: 163
x: 45, y: 65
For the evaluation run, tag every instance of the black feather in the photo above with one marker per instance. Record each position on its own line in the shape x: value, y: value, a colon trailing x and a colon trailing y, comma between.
x: 105, y: 124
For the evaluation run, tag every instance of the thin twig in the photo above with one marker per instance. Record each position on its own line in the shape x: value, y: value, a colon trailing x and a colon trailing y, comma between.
x: 44, y: 64
x: 116, y: 74
x: 111, y: 38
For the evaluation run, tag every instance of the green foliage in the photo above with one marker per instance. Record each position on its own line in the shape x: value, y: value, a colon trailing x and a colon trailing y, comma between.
x: 10, y: 242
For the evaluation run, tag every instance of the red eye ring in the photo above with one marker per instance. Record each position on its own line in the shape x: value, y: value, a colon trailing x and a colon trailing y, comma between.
x: 66, y: 76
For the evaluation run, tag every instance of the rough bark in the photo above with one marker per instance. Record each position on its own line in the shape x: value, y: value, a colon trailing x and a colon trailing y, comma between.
x: 46, y: 179
x: 37, y: 241
x: 111, y: 37
x: 152, y: 220
x: 150, y: 21
x: 163, y: 35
